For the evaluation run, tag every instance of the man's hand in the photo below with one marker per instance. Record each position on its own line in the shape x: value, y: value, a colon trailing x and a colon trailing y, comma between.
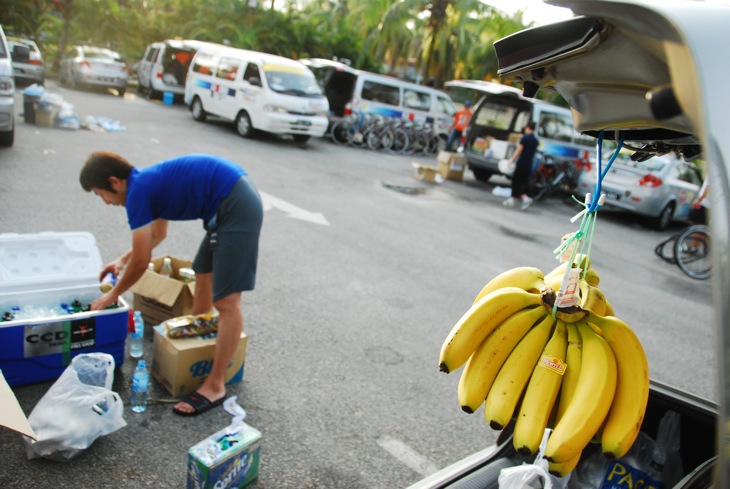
x: 104, y: 301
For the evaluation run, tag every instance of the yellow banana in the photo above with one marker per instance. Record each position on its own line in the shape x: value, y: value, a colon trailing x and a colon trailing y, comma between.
x: 541, y: 393
x: 515, y: 373
x: 480, y: 320
x: 609, y: 309
x: 592, y: 299
x: 580, y: 260
x: 591, y: 276
x: 632, y: 389
x: 564, y: 468
x: 573, y: 359
x: 591, y: 400
x: 527, y: 278
x: 484, y: 364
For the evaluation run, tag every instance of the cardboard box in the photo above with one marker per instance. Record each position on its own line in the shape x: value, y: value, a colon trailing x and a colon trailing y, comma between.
x: 45, y: 117
x: 427, y: 173
x: 451, y: 166
x: 11, y: 414
x: 181, y: 365
x: 229, y: 458
x: 514, y: 138
x: 39, y: 273
x: 160, y: 298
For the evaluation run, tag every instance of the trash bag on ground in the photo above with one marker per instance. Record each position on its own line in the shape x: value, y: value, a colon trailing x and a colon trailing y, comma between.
x: 78, y: 408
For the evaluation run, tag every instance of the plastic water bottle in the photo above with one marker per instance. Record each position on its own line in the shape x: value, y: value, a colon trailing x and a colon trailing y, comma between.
x: 166, y: 270
x: 136, y: 339
x: 140, y: 384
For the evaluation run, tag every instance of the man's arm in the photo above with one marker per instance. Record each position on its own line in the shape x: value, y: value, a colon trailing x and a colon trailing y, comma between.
x: 134, y: 261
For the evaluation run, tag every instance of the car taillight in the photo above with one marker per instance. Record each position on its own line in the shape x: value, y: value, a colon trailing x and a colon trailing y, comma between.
x: 125, y: 69
x: 84, y: 64
x: 36, y: 62
x: 348, y: 110
x: 650, y: 180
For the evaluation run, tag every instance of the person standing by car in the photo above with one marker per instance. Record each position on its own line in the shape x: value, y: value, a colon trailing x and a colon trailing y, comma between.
x: 523, y: 158
x: 461, y: 120
x: 179, y: 189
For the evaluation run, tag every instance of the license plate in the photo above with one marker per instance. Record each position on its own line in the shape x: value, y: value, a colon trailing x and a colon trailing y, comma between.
x: 612, y: 196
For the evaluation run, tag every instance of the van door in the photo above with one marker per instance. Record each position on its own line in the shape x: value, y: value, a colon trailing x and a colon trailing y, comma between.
x: 145, y: 66
x: 202, y: 79
x: 559, y: 141
x: 224, y: 99
x: 381, y: 98
x: 252, y: 93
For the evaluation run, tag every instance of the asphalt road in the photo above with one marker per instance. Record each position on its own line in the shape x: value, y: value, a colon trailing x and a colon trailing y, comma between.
x: 363, y: 271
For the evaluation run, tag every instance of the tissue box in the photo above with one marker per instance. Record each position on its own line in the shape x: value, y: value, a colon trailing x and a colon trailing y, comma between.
x: 228, y: 458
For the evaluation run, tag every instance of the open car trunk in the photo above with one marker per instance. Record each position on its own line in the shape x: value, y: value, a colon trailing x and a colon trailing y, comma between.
x: 651, y: 75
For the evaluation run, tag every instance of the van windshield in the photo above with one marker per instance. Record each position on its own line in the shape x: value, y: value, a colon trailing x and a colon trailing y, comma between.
x: 292, y: 81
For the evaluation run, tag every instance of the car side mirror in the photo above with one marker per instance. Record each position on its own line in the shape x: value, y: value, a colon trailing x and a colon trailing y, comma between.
x: 255, y: 81
x: 20, y: 53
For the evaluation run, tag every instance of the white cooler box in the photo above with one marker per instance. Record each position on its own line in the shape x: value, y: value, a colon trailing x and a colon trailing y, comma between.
x: 40, y: 272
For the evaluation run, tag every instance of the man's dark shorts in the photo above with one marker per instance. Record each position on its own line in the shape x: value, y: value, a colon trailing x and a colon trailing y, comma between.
x: 231, y: 244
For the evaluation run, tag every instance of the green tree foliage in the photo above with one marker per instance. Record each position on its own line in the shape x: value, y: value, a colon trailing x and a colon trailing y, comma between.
x: 433, y: 40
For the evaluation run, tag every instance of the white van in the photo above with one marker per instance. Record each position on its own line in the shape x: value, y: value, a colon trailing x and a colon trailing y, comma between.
x: 496, y: 127
x: 7, y: 94
x: 349, y: 91
x: 258, y: 91
x: 164, y: 66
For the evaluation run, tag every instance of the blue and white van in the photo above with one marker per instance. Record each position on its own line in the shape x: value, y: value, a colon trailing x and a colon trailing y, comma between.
x: 257, y: 91
x: 496, y: 127
x: 351, y: 91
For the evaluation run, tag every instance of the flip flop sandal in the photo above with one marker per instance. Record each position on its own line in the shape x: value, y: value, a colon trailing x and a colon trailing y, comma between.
x: 199, y: 403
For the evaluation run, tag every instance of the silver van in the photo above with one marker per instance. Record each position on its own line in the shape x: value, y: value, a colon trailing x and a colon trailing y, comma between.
x: 496, y: 127
x: 349, y: 90
x: 7, y: 94
x: 164, y: 66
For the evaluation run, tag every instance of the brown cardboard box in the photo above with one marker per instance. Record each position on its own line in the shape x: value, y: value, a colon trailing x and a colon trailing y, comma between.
x: 514, y: 138
x: 427, y: 173
x: 451, y: 166
x: 181, y: 365
x: 45, y: 118
x: 160, y: 298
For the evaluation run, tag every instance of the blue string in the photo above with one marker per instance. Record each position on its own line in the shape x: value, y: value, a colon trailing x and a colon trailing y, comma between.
x: 602, y: 173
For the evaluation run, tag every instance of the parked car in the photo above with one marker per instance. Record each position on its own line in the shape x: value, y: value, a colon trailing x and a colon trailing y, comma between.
x: 646, y: 74
x: 164, y: 66
x: 661, y: 188
x: 7, y: 94
x: 30, y: 69
x: 89, y: 66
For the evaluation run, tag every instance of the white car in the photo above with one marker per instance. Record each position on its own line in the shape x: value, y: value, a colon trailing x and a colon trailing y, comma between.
x: 660, y: 189
x: 31, y: 69
x: 651, y: 75
x: 89, y: 66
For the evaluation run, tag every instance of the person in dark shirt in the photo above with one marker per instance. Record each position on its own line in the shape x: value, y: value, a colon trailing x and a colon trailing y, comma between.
x: 524, y: 157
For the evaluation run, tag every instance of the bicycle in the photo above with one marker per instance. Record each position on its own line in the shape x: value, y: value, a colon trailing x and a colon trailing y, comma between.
x: 690, y: 251
x: 554, y: 178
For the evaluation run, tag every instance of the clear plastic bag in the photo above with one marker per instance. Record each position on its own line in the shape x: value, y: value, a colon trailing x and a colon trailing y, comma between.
x: 534, y: 475
x: 78, y: 408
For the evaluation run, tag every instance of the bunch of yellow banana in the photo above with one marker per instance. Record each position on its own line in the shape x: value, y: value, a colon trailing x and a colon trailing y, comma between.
x: 577, y: 370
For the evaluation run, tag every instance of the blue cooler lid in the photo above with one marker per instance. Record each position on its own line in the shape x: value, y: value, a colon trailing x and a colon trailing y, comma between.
x: 47, y: 260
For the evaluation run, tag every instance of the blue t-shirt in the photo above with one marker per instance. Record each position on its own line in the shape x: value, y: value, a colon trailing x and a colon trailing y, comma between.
x: 179, y: 189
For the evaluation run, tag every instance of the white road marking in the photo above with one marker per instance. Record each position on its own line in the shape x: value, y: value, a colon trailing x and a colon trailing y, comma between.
x: 412, y: 459
x: 291, y: 210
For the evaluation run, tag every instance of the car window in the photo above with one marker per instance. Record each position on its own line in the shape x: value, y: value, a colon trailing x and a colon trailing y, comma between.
x: 555, y: 126
x: 251, y: 71
x: 378, y: 92
x: 227, y: 68
x: 687, y: 173
x: 445, y: 105
x: 498, y: 116
x: 152, y: 54
x: 416, y: 100
x: 204, y: 64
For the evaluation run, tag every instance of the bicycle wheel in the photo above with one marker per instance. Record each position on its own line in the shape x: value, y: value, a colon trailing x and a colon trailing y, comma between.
x: 692, y: 252
x: 539, y: 185
x: 400, y: 142
x: 342, y: 132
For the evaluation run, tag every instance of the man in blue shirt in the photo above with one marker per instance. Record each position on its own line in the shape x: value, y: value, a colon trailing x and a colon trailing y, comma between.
x: 191, y: 187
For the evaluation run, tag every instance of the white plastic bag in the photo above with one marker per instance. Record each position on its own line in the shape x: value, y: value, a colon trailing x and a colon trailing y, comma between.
x: 506, y: 167
x: 78, y: 408
x: 534, y: 475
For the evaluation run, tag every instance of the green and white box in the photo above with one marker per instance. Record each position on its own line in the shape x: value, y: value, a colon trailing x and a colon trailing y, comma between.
x: 228, y: 459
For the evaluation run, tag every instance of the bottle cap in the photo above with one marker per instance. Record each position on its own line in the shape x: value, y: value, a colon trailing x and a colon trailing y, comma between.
x: 141, y: 364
